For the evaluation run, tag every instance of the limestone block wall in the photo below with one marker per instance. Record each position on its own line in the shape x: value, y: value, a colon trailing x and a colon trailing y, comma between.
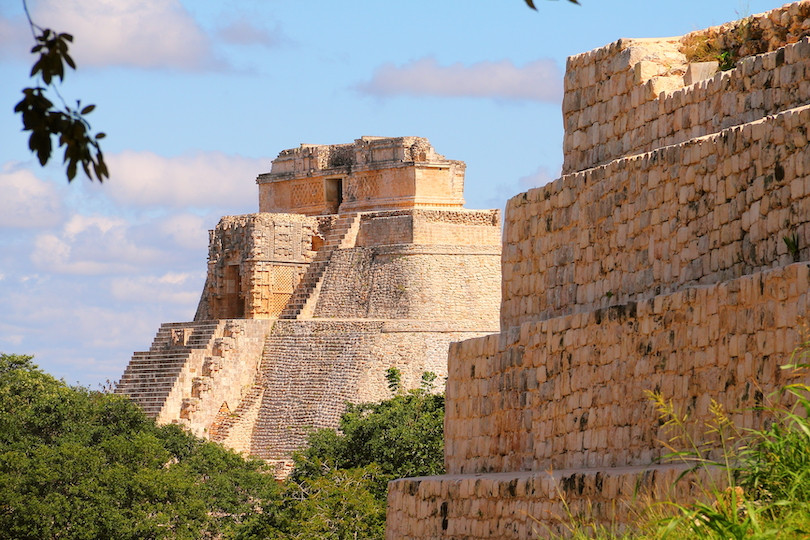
x: 406, y: 281
x: 223, y: 379
x: 569, y: 392
x: 604, y: 95
x: 373, y: 173
x: 151, y: 377
x: 710, y: 209
x: 443, y: 227
x: 751, y: 35
x: 193, y: 369
x: 661, y: 265
x: 525, y: 504
x: 458, y: 228
x: 629, y: 97
x: 311, y: 368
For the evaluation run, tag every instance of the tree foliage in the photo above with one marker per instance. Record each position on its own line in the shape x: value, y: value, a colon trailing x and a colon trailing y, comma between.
x: 402, y: 435
x: 338, y: 488
x: 82, y: 464
x: 530, y: 3
x: 44, y: 120
x: 336, y: 504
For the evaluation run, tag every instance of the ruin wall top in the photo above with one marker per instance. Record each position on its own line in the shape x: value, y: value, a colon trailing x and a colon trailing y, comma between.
x: 704, y: 211
x: 636, y: 95
x: 372, y: 173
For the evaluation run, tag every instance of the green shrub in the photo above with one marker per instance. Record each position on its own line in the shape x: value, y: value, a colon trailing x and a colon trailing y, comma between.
x: 82, y: 464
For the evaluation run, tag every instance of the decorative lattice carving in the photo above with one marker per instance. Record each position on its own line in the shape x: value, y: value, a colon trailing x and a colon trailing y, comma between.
x: 284, y: 279
x: 364, y: 187
x: 277, y: 303
x: 305, y: 194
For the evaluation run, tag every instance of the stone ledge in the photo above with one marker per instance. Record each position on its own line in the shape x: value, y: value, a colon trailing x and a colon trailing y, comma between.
x: 570, y: 391
x: 703, y: 211
x: 528, y: 504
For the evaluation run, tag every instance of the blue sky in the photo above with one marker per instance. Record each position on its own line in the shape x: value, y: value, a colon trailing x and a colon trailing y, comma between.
x: 198, y: 97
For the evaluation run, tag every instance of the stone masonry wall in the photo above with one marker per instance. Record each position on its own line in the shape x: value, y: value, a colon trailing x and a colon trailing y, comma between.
x: 434, y: 227
x: 310, y: 369
x: 525, y: 504
x: 409, y: 281
x: 671, y: 257
x: 224, y: 377
x: 713, y: 208
x: 569, y: 392
x: 751, y: 35
x: 628, y: 97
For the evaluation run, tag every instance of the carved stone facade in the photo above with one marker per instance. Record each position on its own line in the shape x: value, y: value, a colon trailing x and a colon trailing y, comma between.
x: 658, y: 262
x: 372, y: 173
x: 361, y: 259
x: 255, y: 262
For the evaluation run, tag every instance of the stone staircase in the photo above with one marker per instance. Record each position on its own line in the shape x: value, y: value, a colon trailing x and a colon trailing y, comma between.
x: 151, y: 375
x: 343, y: 235
x: 193, y: 369
x: 224, y: 428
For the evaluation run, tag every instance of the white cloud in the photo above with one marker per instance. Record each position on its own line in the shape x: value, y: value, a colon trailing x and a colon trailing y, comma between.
x: 182, y: 288
x: 15, y: 38
x: 188, y: 231
x: 538, y: 178
x: 11, y: 339
x: 27, y: 201
x: 139, y: 33
x: 540, y: 80
x: 91, y: 245
x: 201, y: 180
x: 79, y: 224
x: 244, y: 32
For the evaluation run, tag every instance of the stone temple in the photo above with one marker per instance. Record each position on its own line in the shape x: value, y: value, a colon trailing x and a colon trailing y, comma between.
x: 361, y: 258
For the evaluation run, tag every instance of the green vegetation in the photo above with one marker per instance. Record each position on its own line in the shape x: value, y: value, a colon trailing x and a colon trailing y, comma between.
x: 765, y: 490
x: 80, y: 464
x: 792, y: 243
x: 338, y: 488
x: 45, y: 120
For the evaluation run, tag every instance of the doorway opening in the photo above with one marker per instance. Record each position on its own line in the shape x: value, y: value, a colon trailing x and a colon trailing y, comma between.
x: 334, y: 194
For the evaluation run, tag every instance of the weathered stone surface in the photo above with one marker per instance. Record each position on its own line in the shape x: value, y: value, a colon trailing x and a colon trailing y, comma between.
x: 699, y: 212
x: 534, y: 504
x: 631, y: 96
x: 700, y: 71
x: 302, y: 312
x: 372, y: 173
x: 571, y: 391
x: 656, y: 263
